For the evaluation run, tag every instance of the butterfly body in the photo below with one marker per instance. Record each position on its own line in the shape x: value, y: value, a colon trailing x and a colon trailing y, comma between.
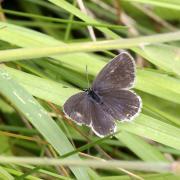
x: 94, y: 96
x: 108, y: 99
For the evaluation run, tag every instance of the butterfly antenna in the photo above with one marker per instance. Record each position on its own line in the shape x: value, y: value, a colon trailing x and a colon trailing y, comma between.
x: 87, y: 77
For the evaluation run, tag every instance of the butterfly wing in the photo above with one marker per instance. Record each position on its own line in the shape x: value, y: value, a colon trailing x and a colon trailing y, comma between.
x: 123, y: 105
x: 83, y: 110
x: 119, y: 73
x: 77, y: 108
x: 102, y: 123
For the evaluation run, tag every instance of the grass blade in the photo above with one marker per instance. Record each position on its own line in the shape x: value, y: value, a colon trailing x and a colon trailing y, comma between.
x: 29, y: 53
x: 154, y: 129
x: 140, y: 147
x: 33, y: 111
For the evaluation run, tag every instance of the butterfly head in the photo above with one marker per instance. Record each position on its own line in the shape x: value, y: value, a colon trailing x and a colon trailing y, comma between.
x: 94, y: 96
x: 87, y: 90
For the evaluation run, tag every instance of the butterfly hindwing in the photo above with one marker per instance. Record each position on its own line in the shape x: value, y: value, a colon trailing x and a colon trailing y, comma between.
x: 102, y: 123
x: 123, y: 105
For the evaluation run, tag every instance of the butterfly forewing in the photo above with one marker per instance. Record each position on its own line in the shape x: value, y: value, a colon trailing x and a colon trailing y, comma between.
x: 119, y: 73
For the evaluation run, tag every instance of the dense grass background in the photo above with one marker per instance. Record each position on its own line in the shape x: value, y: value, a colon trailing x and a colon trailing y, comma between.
x: 45, y: 48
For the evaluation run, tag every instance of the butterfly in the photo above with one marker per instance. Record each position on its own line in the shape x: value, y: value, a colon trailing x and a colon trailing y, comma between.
x: 109, y: 98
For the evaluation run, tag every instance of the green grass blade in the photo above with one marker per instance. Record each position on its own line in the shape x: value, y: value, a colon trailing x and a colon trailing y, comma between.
x: 154, y: 129
x: 165, y: 109
x: 166, y: 57
x: 108, y: 164
x: 159, y: 85
x: 29, y: 53
x: 4, y: 174
x: 161, y: 176
x: 140, y: 147
x: 34, y: 112
x: 170, y: 4
x: 51, y: 19
x: 43, y: 88
x: 72, y: 9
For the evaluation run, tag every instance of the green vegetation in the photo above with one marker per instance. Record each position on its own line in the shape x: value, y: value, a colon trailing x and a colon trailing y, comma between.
x: 45, y: 48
